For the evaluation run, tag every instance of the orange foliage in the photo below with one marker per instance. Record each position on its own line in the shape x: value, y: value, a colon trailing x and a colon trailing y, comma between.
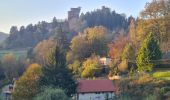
x: 117, y: 46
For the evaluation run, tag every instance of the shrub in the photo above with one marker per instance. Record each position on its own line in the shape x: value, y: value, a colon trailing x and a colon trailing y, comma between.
x: 52, y: 94
x: 151, y: 97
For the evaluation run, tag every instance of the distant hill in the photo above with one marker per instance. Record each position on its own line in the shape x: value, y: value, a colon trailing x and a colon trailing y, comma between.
x: 3, y: 36
x: 30, y: 35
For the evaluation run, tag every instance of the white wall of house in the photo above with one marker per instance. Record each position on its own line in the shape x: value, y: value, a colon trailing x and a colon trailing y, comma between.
x: 95, y: 96
x: 105, y: 61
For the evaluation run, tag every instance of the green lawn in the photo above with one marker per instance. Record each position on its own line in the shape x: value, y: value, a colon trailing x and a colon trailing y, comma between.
x: 162, y: 75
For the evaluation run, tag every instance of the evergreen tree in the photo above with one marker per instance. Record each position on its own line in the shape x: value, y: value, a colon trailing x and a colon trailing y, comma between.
x: 56, y: 73
x: 128, y: 52
x: 61, y: 39
x: 148, y: 52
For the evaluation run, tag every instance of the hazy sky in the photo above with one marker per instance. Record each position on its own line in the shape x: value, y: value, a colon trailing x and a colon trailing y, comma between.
x: 24, y: 12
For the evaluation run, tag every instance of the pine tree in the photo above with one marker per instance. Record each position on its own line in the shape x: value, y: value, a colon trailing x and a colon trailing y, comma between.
x: 148, y: 53
x: 56, y: 73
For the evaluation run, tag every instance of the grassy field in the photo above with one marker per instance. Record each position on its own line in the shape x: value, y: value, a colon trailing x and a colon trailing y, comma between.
x: 17, y: 53
x: 162, y: 75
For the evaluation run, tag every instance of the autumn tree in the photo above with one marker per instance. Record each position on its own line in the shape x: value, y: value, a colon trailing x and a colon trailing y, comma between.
x: 79, y: 48
x: 116, y: 47
x: 155, y: 19
x: 28, y: 84
x: 91, y: 41
x: 42, y: 49
x: 148, y: 53
x: 97, y: 38
x: 133, y: 33
x: 91, y: 67
x: 75, y: 67
x: 56, y: 73
x: 128, y: 52
x: 9, y: 64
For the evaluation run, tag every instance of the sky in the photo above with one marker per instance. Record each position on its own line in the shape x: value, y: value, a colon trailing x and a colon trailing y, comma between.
x: 24, y: 12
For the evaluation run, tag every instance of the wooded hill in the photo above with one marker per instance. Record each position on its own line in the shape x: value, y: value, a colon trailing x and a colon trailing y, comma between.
x: 30, y: 35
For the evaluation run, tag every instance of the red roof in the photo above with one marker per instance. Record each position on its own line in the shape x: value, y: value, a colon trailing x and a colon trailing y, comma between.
x: 89, y: 86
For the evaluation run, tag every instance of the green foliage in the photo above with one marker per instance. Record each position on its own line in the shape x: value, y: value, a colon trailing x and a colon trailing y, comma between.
x: 164, y: 90
x: 125, y: 97
x: 61, y: 39
x: 148, y: 52
x: 162, y: 75
x: 30, y: 35
x: 1, y: 98
x: 151, y: 97
x: 28, y: 84
x: 128, y: 53
x: 56, y: 73
x: 2, y: 74
x: 52, y: 94
x: 105, y: 17
x: 91, y: 67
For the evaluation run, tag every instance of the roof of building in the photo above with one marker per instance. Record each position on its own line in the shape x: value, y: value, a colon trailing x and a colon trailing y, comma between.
x: 100, y: 85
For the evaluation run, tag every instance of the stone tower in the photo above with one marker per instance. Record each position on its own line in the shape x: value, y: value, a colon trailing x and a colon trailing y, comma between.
x: 74, y: 13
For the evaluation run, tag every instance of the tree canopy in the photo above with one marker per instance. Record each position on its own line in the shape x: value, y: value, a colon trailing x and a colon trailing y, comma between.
x: 56, y: 73
x: 28, y: 84
x: 50, y: 93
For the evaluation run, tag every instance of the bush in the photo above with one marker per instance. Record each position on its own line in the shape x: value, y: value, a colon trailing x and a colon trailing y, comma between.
x: 164, y: 90
x: 151, y: 97
x: 52, y: 94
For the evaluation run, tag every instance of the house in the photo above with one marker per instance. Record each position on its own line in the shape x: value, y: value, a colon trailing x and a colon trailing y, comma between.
x: 105, y: 61
x: 100, y: 89
x: 7, y: 92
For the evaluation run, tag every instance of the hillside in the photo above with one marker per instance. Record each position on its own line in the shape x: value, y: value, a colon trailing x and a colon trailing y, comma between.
x: 3, y: 36
x: 31, y: 35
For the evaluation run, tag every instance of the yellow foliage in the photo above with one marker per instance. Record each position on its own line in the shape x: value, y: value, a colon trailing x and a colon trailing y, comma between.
x: 28, y: 84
